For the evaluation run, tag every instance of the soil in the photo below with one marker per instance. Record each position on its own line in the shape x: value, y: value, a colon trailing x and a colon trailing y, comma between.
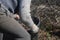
x: 48, y: 11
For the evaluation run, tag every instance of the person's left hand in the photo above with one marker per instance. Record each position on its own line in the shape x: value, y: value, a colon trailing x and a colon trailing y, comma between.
x: 16, y: 16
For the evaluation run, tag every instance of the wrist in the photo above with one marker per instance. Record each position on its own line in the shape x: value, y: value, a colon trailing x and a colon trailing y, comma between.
x: 33, y: 26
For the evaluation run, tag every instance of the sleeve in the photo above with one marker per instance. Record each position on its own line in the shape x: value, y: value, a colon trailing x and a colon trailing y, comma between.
x: 25, y: 12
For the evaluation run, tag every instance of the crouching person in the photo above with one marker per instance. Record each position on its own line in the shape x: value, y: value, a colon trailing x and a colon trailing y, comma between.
x: 10, y: 25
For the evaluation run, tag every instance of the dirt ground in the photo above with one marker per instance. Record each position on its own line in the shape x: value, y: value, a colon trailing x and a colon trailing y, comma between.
x: 48, y: 11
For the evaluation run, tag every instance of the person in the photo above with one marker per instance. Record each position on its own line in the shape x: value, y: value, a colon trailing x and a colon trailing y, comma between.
x: 7, y: 22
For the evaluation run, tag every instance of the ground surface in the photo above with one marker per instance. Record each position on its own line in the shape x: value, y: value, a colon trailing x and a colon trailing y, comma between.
x: 49, y: 13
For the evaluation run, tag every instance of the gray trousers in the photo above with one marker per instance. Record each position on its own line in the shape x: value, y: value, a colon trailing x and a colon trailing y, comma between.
x: 10, y: 25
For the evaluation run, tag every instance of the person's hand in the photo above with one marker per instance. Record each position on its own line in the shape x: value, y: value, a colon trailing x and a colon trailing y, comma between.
x: 16, y: 16
x: 35, y: 29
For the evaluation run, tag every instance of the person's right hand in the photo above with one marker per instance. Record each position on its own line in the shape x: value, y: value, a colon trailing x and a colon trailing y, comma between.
x: 35, y: 29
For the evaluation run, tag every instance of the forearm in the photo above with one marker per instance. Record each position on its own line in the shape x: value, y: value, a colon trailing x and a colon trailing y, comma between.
x: 25, y: 12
